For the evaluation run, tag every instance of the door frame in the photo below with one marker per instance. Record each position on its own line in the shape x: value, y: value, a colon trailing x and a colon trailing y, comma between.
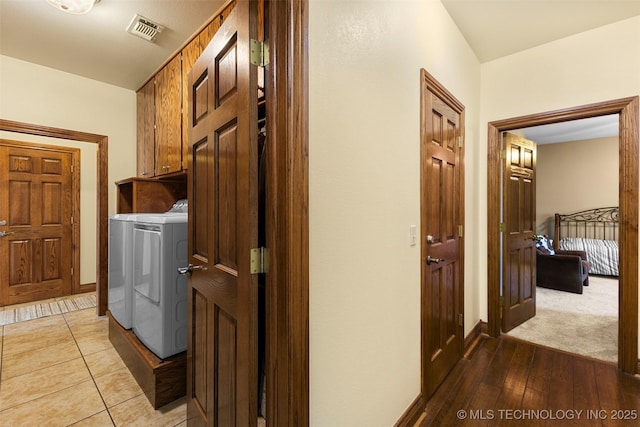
x: 76, y: 287
x: 102, y: 197
x: 627, y: 108
x: 287, y: 219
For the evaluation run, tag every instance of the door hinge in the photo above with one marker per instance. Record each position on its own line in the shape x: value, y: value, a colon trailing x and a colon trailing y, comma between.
x: 259, y: 53
x: 71, y: 271
x: 460, y: 320
x: 460, y: 143
x: 503, y: 154
x: 460, y: 230
x: 72, y: 220
x: 501, y: 301
x: 502, y: 227
x: 259, y: 260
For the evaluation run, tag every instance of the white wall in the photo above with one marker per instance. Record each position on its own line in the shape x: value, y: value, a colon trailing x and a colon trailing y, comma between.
x: 364, y: 82
x: 594, y: 66
x: 43, y: 96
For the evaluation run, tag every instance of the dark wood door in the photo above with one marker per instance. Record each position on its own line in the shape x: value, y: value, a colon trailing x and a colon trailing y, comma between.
x: 222, y: 348
x: 519, y: 253
x: 442, y: 198
x: 35, y: 224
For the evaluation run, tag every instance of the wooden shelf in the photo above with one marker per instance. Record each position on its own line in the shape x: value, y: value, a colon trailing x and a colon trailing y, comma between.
x: 151, y: 195
x: 162, y: 380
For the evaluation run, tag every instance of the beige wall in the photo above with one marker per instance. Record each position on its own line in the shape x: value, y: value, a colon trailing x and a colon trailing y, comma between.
x: 38, y: 95
x: 364, y: 80
x: 575, y: 176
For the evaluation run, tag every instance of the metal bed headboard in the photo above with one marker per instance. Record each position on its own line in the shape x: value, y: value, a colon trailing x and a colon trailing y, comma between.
x: 599, y: 223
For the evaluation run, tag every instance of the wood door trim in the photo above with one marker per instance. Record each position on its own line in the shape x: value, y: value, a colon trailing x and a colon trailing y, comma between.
x: 103, y: 204
x: 627, y: 108
x: 287, y: 223
x: 75, y: 205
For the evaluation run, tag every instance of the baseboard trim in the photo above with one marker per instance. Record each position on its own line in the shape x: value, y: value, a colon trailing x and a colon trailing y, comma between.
x: 471, y: 341
x: 416, y: 410
x: 413, y: 414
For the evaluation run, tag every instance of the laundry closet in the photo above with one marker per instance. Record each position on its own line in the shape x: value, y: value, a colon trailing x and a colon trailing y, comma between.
x: 186, y: 249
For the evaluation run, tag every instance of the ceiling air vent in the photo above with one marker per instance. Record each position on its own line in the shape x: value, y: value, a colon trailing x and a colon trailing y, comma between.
x: 144, y: 28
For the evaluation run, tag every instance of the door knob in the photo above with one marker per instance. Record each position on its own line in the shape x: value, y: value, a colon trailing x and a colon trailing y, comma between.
x: 433, y: 260
x: 3, y: 222
x: 5, y: 233
x: 429, y: 238
x: 189, y: 269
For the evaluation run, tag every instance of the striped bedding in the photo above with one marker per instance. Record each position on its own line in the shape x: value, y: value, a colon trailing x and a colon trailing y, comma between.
x: 603, y: 254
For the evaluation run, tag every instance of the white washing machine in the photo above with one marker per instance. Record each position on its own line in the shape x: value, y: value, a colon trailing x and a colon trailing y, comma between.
x: 159, y: 291
x: 120, y: 287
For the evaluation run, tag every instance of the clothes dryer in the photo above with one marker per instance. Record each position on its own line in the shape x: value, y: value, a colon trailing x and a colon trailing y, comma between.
x: 160, y: 292
x: 120, y: 267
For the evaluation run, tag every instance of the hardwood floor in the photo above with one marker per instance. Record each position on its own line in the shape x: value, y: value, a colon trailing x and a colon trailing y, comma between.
x: 511, y: 382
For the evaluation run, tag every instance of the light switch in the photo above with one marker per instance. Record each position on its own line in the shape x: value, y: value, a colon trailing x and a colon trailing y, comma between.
x: 413, y: 238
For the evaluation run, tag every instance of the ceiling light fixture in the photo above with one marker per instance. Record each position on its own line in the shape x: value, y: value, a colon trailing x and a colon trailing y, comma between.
x: 76, y: 7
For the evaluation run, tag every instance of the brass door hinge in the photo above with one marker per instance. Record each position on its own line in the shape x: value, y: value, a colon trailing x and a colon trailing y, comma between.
x: 259, y: 260
x: 503, y: 154
x: 460, y: 320
x: 502, y: 227
x: 460, y: 230
x: 259, y: 53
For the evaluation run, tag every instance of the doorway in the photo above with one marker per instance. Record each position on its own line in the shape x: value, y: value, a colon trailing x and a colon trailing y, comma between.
x: 627, y: 108
x: 40, y: 195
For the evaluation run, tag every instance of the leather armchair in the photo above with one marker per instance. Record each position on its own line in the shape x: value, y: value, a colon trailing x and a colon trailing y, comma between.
x: 565, y: 271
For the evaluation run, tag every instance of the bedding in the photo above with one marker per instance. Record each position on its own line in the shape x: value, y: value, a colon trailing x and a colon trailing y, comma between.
x: 603, y: 254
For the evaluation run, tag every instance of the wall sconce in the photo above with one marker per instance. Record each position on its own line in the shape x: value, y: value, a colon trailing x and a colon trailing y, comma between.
x: 76, y: 7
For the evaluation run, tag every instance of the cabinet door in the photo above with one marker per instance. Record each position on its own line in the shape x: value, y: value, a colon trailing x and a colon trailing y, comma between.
x: 169, y: 118
x: 145, y: 130
x: 190, y: 54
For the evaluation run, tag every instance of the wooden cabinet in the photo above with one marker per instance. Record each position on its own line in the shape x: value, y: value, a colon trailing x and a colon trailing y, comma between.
x: 145, y: 132
x: 169, y: 118
x: 149, y: 195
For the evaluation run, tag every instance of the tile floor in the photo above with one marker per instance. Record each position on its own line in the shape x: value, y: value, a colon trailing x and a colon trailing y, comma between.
x: 61, y: 370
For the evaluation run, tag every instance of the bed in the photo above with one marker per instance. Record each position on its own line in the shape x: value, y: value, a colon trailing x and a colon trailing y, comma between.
x: 594, y: 231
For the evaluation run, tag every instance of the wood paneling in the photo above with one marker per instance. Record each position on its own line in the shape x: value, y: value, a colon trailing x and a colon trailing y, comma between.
x: 627, y: 108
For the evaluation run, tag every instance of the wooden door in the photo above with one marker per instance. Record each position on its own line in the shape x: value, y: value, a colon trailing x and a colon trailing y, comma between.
x: 168, y: 118
x: 519, y: 251
x: 442, y: 218
x: 145, y: 121
x: 35, y: 224
x: 222, y: 379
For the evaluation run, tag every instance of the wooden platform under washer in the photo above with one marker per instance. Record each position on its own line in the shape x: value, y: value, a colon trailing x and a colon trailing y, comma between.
x: 162, y: 380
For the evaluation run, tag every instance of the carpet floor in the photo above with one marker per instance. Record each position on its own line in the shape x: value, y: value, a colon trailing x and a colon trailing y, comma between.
x: 584, y: 324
